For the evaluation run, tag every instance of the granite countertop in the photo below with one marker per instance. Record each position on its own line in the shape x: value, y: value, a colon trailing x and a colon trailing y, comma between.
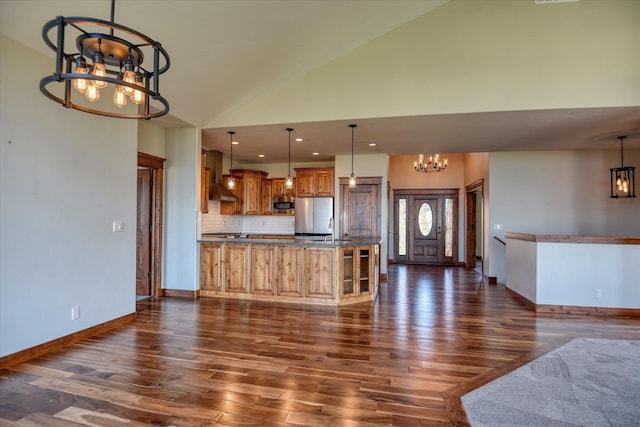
x: 286, y: 240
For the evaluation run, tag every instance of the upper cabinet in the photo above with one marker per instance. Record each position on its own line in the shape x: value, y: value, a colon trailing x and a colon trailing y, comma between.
x: 278, y: 188
x: 314, y: 182
x: 249, y: 192
x: 204, y: 183
x: 266, y: 205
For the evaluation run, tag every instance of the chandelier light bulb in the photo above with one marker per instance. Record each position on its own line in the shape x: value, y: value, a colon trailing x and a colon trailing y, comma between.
x: 81, y: 85
x: 92, y: 93
x: 100, y: 71
x: 120, y: 97
x: 129, y: 77
x: 138, y: 96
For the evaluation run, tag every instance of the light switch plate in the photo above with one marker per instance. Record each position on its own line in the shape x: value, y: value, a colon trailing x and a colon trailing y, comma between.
x: 117, y: 226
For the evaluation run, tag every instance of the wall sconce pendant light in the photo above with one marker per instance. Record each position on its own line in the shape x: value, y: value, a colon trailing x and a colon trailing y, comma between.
x: 288, y: 183
x: 231, y: 183
x: 352, y: 177
x: 434, y: 164
x: 117, y: 61
x: 623, y: 183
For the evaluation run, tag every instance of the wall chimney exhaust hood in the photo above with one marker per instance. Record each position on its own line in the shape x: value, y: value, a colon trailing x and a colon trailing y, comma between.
x: 217, y: 191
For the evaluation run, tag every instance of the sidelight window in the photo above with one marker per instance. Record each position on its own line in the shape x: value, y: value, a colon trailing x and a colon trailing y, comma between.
x: 402, y: 227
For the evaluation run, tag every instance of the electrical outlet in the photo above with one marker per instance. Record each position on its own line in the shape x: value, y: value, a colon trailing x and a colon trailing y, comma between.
x: 75, y: 313
x: 598, y: 293
x: 497, y: 226
x: 117, y: 226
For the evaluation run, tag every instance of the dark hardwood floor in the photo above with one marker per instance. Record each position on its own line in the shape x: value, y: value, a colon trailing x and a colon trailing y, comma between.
x: 433, y: 334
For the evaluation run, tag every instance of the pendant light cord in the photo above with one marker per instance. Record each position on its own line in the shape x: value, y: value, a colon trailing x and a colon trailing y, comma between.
x: 621, y: 138
x: 231, y: 142
x: 352, y: 129
x: 289, y: 130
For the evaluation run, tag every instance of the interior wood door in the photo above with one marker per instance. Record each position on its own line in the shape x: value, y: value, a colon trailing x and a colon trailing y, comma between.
x: 360, y: 208
x: 143, y: 234
x: 425, y: 227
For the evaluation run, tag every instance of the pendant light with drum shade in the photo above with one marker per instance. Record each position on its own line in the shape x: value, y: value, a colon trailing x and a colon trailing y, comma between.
x: 352, y: 177
x: 231, y: 183
x: 288, y: 182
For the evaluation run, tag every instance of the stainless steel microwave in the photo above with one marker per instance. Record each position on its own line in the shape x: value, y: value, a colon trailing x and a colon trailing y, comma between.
x: 282, y: 205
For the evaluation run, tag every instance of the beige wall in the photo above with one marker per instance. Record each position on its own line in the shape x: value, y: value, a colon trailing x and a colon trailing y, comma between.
x: 471, y: 56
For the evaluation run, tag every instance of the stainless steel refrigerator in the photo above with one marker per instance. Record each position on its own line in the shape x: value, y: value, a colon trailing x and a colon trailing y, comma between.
x: 314, y: 215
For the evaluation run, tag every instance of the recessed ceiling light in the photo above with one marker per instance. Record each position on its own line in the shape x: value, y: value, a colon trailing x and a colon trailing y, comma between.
x: 372, y: 144
x: 235, y: 143
x: 316, y: 154
x: 261, y: 155
x: 299, y: 140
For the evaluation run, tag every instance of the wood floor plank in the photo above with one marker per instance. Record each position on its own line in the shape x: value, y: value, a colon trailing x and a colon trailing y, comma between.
x: 432, y: 335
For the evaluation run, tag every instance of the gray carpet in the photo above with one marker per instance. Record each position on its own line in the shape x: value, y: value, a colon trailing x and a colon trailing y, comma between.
x: 586, y: 382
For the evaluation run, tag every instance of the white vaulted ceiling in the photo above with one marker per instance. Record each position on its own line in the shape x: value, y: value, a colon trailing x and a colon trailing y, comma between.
x: 416, y: 75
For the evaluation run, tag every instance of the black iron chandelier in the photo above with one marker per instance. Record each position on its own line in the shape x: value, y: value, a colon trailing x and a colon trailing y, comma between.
x: 117, y: 59
x: 431, y: 164
x: 623, y: 183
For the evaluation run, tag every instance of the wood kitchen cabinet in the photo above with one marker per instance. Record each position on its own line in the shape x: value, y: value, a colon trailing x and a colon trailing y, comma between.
x: 319, y: 271
x: 279, y: 189
x: 261, y: 271
x: 233, y: 208
x: 211, y: 266
x: 252, y: 191
x: 204, y: 183
x: 314, y: 182
x: 289, y: 275
x: 289, y: 272
x: 267, y: 197
x: 358, y: 270
x: 236, y: 263
x: 248, y: 191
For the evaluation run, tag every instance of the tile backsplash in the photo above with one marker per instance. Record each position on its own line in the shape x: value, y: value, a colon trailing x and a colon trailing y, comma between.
x: 213, y: 222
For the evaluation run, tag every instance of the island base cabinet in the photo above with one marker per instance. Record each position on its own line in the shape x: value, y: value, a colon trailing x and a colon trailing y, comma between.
x: 236, y: 259
x: 319, y: 280
x: 359, y: 269
x: 261, y: 269
x: 288, y: 276
x: 289, y: 273
x: 210, y: 268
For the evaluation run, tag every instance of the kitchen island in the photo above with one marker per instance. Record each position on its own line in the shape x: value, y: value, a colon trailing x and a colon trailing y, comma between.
x: 287, y: 269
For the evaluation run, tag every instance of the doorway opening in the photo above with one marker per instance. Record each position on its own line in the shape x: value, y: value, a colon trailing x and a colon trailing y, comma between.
x: 474, y: 229
x: 149, y: 225
x: 426, y: 226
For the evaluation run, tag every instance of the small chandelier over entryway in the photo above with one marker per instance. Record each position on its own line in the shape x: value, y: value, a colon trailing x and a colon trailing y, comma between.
x: 117, y: 60
x: 623, y: 183
x: 433, y: 164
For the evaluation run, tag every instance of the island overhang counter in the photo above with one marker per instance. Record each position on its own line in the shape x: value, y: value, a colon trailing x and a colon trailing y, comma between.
x: 297, y: 270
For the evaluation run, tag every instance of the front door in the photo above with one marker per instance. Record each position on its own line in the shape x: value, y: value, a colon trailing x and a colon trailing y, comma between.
x: 426, y: 223
x: 143, y: 236
x: 426, y: 230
